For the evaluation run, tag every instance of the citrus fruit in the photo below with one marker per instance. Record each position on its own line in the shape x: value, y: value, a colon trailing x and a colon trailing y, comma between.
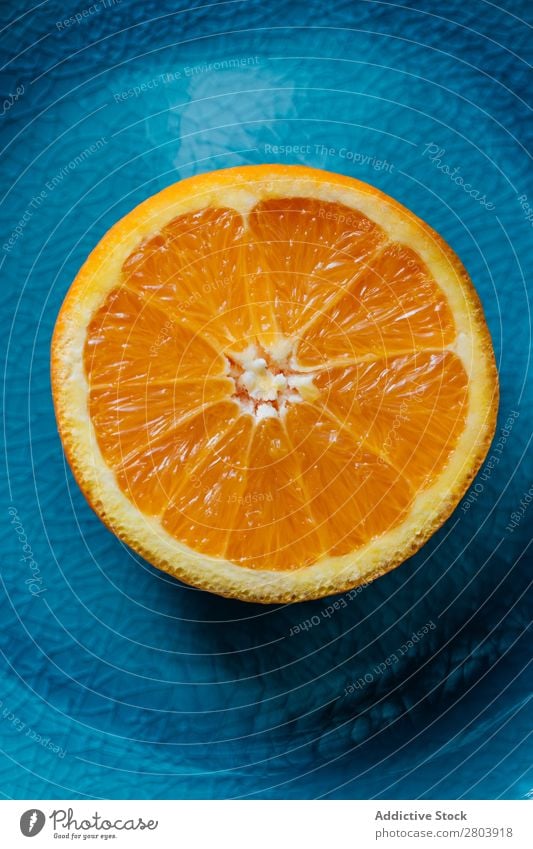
x: 273, y: 382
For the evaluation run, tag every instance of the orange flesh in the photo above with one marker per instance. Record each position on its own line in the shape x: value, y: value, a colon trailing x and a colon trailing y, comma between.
x: 323, y: 473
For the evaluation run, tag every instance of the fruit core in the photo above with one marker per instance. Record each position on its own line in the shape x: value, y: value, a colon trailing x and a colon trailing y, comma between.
x: 266, y: 380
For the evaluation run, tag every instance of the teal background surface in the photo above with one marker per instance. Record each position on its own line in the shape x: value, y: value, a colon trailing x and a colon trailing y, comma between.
x: 117, y: 681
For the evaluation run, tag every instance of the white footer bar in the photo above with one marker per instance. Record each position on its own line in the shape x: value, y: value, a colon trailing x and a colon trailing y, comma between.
x: 268, y: 824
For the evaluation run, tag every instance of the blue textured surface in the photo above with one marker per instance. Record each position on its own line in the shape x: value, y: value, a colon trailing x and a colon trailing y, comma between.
x: 118, y: 681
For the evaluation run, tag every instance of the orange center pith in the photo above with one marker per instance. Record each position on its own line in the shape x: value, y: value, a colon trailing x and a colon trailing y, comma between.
x: 275, y: 387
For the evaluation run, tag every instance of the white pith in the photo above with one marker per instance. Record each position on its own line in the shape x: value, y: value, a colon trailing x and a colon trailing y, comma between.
x: 266, y: 380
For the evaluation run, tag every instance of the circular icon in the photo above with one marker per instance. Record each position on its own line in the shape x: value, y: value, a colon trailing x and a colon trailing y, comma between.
x: 32, y: 822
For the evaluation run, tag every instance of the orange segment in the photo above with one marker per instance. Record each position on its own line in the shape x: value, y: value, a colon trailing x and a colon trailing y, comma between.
x: 133, y: 339
x: 410, y: 410
x: 273, y: 382
x: 193, y: 270
x: 393, y: 306
x: 202, y: 513
x: 151, y: 469
x: 273, y: 526
x: 354, y: 495
x: 133, y: 416
x: 330, y: 245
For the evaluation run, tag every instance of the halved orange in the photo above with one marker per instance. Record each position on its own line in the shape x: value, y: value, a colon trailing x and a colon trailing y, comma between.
x: 273, y: 382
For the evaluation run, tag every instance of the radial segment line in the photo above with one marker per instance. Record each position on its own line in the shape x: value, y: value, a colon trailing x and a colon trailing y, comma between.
x: 245, y: 466
x: 178, y: 318
x: 344, y: 290
x: 361, y: 440
x: 319, y: 526
x: 374, y: 358
x: 165, y: 433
